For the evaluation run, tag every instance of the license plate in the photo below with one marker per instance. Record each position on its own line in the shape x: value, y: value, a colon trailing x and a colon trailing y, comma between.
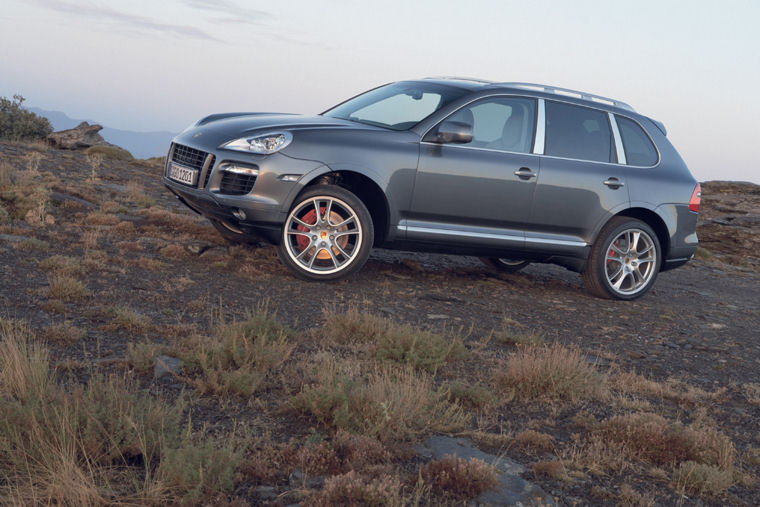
x: 183, y: 174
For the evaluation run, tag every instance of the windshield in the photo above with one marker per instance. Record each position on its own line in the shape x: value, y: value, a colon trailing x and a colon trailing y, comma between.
x: 397, y: 106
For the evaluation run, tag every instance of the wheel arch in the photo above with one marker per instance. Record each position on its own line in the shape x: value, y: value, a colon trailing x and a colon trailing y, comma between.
x: 367, y: 190
x: 653, y: 220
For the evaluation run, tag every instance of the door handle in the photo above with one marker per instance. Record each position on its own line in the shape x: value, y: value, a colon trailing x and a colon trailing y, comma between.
x: 614, y: 183
x: 524, y: 173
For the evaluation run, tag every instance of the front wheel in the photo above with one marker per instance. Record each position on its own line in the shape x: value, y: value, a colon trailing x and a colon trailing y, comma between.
x: 624, y: 261
x: 327, y: 235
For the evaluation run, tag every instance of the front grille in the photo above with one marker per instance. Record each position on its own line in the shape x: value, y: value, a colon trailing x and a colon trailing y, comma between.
x: 189, y: 157
x: 236, y: 184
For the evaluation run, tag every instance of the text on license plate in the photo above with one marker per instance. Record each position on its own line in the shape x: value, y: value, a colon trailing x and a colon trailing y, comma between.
x: 183, y: 174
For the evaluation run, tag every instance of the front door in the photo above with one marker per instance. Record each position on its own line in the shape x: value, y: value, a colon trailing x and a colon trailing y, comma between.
x: 480, y: 191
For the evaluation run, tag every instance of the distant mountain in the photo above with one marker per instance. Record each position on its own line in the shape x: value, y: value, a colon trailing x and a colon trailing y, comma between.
x: 139, y: 144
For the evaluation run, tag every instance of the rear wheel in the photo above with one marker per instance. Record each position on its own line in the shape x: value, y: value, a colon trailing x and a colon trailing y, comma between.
x: 504, y: 265
x: 327, y: 235
x: 624, y: 261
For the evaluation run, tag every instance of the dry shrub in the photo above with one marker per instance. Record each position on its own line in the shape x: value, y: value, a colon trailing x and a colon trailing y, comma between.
x: 654, y: 439
x: 136, y: 193
x: 350, y: 327
x: 100, y: 218
x: 390, y: 403
x: 129, y: 246
x: 532, y: 439
x: 399, y: 343
x: 267, y: 462
x: 630, y: 497
x: 148, y: 263
x: 166, y: 218
x: 64, y: 333
x: 317, y: 459
x: 553, y: 469
x: 90, y: 239
x: 240, y: 355
x: 66, y: 288
x: 6, y: 174
x: 554, y: 371
x: 672, y: 389
x: 62, y: 265
x: 752, y: 392
x: 352, y: 488
x: 23, y: 362
x: 124, y: 228
x: 174, y: 252
x: 698, y: 479
x: 356, y: 452
x: 472, y: 396
x: 457, y: 478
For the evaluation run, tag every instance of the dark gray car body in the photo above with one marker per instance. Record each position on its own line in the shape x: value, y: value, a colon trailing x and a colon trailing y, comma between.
x: 429, y: 196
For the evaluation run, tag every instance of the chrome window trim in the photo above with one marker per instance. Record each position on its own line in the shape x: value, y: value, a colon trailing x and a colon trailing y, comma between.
x: 486, y: 235
x: 538, y: 145
x: 619, y: 152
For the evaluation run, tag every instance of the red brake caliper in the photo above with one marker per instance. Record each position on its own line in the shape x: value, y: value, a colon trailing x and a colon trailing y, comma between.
x: 611, y: 252
x: 309, y: 218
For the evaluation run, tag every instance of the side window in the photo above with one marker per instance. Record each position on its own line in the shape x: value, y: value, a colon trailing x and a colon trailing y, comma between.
x: 639, y: 149
x: 503, y: 123
x: 578, y: 132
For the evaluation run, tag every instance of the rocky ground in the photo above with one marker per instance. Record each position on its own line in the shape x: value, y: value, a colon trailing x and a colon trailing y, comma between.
x: 689, y: 351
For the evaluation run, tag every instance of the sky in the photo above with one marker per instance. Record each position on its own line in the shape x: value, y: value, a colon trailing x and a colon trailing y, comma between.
x: 150, y: 65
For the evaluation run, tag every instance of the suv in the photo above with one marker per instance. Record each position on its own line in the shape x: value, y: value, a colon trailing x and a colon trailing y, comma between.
x: 511, y: 172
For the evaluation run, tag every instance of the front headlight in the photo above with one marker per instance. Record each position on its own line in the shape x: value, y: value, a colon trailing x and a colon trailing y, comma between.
x: 264, y: 144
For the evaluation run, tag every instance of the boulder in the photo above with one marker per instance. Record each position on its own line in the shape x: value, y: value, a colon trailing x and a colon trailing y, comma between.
x: 80, y: 137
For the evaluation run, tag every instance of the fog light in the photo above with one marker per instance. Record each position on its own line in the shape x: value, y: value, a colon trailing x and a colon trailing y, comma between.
x: 239, y: 214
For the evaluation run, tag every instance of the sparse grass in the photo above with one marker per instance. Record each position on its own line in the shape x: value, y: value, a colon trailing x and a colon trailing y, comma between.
x: 472, y: 396
x: 102, y: 443
x: 136, y: 193
x: 458, y: 479
x: 554, y: 371
x: 124, y: 229
x: 702, y: 253
x: 64, y: 333
x: 519, y: 337
x: 100, y: 218
x: 126, y: 318
x: 390, y: 403
x: 66, y: 288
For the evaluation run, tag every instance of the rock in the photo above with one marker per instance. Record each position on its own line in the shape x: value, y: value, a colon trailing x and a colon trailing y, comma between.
x: 80, y: 137
x: 165, y: 365
x: 266, y: 492
x: 511, y: 490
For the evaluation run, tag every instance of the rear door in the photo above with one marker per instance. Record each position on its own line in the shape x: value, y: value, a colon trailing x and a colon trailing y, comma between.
x: 580, y: 184
x: 478, y: 192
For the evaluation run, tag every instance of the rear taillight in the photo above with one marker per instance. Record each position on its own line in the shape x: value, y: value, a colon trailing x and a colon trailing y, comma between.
x: 696, y: 197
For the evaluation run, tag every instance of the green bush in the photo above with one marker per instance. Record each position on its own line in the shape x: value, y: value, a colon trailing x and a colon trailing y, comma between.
x: 16, y: 123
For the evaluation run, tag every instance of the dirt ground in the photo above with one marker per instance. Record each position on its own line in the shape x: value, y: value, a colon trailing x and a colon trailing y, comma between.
x: 699, y: 326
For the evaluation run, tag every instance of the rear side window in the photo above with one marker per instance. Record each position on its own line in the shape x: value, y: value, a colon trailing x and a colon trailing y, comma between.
x: 578, y: 132
x: 639, y: 149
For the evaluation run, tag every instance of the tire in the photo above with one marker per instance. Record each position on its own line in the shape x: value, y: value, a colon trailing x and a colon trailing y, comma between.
x: 624, y: 260
x: 504, y: 265
x: 333, y: 246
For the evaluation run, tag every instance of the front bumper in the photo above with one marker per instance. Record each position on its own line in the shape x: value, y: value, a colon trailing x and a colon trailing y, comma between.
x: 263, y: 209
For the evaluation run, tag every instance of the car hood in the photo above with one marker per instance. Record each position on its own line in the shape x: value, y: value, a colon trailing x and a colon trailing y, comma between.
x: 221, y: 128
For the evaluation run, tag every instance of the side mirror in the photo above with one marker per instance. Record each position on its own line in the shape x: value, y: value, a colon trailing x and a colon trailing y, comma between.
x: 454, y: 132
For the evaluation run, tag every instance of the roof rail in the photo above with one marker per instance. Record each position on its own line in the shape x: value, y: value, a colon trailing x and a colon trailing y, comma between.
x: 570, y: 93
x: 460, y: 78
